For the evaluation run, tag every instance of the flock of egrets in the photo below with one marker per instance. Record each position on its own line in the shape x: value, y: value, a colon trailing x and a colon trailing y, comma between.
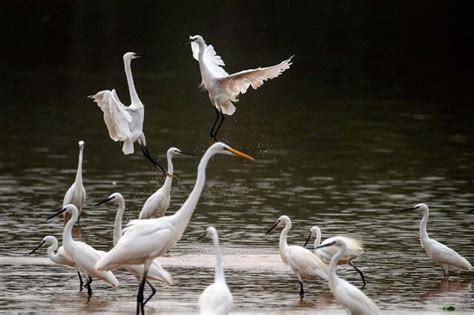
x: 153, y: 234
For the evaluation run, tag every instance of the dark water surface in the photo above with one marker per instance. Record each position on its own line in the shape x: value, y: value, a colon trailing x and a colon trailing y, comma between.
x: 325, y: 156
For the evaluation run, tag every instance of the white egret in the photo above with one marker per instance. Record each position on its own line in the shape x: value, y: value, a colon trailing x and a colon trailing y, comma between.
x: 442, y: 255
x: 144, y: 240
x: 83, y: 255
x: 156, y: 272
x: 224, y: 88
x: 125, y: 123
x: 305, y: 264
x: 216, y: 299
x: 157, y: 204
x: 348, y: 295
x: 76, y: 194
x: 60, y: 257
x: 353, y: 250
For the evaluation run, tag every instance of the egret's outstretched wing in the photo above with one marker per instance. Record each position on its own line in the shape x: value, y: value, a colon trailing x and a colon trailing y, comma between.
x: 213, y: 62
x: 116, y: 116
x: 239, y: 82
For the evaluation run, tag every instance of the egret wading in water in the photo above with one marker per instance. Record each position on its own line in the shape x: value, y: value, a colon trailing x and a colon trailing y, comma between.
x: 144, y: 240
x: 60, y: 257
x: 348, y: 295
x: 156, y: 272
x: 125, y: 123
x: 224, y: 88
x: 442, y: 255
x: 305, y: 264
x: 216, y: 299
x: 83, y: 255
x: 76, y: 194
x: 157, y: 204
x: 353, y: 250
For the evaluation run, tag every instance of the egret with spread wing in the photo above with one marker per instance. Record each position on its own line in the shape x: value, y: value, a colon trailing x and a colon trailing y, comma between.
x: 224, y: 88
x: 125, y: 123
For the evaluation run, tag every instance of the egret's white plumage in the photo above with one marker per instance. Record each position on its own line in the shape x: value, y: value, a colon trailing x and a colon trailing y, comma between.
x: 305, y: 264
x: 445, y: 257
x: 59, y: 257
x: 224, y: 88
x: 157, y: 204
x: 353, y: 249
x: 125, y: 123
x: 156, y: 272
x: 216, y: 299
x: 144, y: 240
x: 76, y: 194
x: 83, y: 255
x: 356, y: 302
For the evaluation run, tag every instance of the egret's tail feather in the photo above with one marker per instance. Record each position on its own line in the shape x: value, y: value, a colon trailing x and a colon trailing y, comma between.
x: 127, y: 147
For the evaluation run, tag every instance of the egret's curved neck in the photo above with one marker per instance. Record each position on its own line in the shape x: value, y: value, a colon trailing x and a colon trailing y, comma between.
x: 219, y: 271
x: 183, y: 215
x: 169, y: 179
x: 118, y: 220
x: 317, y: 240
x: 202, y: 47
x: 67, y: 233
x: 79, y: 167
x: 333, y: 264
x: 283, y: 243
x: 51, y: 254
x: 131, y: 85
x: 423, y: 226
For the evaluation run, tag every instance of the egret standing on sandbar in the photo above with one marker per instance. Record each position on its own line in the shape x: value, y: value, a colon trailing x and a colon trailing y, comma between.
x: 60, y: 257
x: 348, y: 295
x: 76, y: 194
x: 305, y: 264
x: 157, y: 204
x: 144, y: 240
x: 83, y: 255
x: 353, y: 250
x: 224, y: 88
x: 442, y: 255
x: 216, y: 299
x: 125, y: 123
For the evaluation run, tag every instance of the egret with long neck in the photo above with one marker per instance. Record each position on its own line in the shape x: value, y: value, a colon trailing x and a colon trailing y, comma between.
x: 76, y: 194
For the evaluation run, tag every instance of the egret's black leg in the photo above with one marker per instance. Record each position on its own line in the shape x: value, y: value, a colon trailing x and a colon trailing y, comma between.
x: 147, y: 155
x: 140, y: 305
x: 79, y: 221
x: 89, y: 289
x: 153, y: 292
x: 220, y: 124
x: 81, y: 284
x: 301, y: 291
x: 360, y: 272
x: 211, y: 133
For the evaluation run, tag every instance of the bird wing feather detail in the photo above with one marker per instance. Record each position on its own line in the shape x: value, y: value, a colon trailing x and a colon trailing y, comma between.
x: 214, y: 62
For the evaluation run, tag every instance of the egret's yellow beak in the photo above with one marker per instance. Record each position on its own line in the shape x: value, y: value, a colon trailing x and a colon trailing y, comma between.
x: 239, y: 154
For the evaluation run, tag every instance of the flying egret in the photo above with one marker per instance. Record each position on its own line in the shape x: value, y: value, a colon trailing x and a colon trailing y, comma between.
x: 216, y: 299
x: 60, y: 257
x: 442, y: 255
x: 157, y: 204
x: 76, y: 194
x: 144, y: 240
x: 305, y: 264
x: 125, y: 123
x: 156, y: 272
x: 224, y: 88
x: 348, y: 295
x: 83, y: 255
x: 354, y: 250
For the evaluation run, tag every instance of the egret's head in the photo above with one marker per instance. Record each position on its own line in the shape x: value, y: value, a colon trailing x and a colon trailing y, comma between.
x: 223, y: 148
x: 211, y: 232
x: 338, y: 241
x: 315, y: 231
x: 115, y: 197
x: 421, y: 207
x: 196, y: 38
x: 49, y: 240
x: 81, y: 144
x: 283, y: 220
x: 70, y: 208
x: 132, y: 55
x: 175, y: 151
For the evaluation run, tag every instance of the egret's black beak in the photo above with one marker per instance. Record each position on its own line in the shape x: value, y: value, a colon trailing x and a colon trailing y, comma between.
x: 201, y: 236
x: 274, y: 226
x: 326, y: 245
x: 408, y: 209
x: 36, y: 248
x: 139, y: 55
x: 186, y: 153
x: 61, y: 210
x: 103, y: 201
x: 187, y: 42
x: 307, y: 240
